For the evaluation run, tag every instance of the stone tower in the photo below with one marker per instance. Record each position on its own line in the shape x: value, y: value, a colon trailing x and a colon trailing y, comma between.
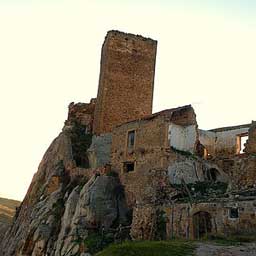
x: 126, y: 81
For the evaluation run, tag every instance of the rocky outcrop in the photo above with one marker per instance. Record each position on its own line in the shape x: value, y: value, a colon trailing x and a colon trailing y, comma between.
x: 62, y: 207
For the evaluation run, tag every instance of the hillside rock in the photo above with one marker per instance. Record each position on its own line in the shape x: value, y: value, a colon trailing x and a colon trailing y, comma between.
x: 63, y: 205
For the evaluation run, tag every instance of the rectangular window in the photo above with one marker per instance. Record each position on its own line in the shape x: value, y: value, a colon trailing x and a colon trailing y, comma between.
x: 128, y: 167
x: 233, y: 213
x: 131, y: 139
x: 241, y: 140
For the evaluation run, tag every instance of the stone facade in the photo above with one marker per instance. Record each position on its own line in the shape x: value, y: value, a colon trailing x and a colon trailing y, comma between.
x: 224, y: 217
x: 223, y: 142
x: 151, y: 149
x: 150, y: 153
x: 126, y: 80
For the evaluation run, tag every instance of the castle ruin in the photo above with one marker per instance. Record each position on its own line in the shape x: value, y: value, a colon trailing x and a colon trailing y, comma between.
x: 118, y: 168
x: 199, y: 182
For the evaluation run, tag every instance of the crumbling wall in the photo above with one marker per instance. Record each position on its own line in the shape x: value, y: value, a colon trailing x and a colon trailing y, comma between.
x: 151, y: 152
x: 150, y: 146
x: 152, y: 149
x: 82, y: 114
x: 181, y: 223
x: 226, y: 143
x: 239, y: 167
x: 186, y: 170
x: 143, y: 226
x: 126, y: 80
x: 190, y: 169
x: 222, y: 142
x: 208, y: 140
x: 183, y: 137
x: 241, y: 170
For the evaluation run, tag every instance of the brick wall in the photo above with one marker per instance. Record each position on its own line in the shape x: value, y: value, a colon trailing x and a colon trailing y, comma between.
x: 181, y: 224
x: 126, y: 80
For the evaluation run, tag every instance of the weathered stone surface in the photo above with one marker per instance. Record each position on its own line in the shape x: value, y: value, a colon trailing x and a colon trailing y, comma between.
x: 97, y: 204
x: 126, y: 80
x: 143, y: 227
x: 59, y: 210
x: 186, y: 171
x: 181, y: 222
x: 223, y: 142
x: 81, y: 113
x: 99, y: 152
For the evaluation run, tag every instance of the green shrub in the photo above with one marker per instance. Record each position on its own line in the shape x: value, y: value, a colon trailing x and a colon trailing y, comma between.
x: 150, y: 248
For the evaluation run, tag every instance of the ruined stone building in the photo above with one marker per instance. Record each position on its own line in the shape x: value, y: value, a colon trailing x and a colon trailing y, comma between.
x: 174, y: 180
x: 200, y: 181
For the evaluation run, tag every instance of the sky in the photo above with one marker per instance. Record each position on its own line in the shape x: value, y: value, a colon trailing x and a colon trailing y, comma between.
x: 50, y: 56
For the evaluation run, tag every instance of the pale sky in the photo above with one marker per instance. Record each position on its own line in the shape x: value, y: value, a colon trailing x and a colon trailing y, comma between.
x: 50, y: 56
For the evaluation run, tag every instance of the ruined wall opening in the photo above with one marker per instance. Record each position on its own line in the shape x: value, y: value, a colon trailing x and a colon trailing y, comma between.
x: 241, y: 140
x: 128, y: 167
x: 202, y: 224
x: 212, y: 174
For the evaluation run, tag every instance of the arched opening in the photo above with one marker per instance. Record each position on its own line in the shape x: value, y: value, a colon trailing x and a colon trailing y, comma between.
x: 202, y: 224
x: 212, y: 174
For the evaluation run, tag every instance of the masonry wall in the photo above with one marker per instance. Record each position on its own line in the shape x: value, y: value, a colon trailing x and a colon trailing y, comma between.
x: 222, y: 143
x: 151, y: 139
x: 126, y: 81
x: 151, y: 153
x: 208, y: 139
x: 241, y: 169
x: 180, y: 218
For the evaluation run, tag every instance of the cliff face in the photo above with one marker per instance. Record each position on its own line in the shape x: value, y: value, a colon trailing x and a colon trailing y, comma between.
x: 66, y: 201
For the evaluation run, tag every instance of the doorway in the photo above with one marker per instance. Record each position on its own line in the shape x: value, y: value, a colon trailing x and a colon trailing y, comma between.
x: 202, y: 224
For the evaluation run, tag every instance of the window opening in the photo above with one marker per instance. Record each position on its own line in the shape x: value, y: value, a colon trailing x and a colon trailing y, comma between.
x: 241, y: 140
x: 128, y: 167
x: 233, y: 213
x: 131, y: 139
